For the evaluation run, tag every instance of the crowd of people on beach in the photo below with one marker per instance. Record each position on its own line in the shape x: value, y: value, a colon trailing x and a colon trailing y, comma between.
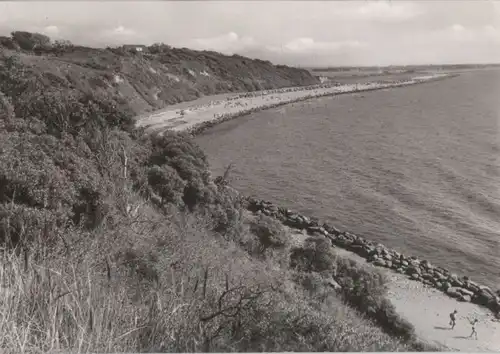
x: 274, y: 94
x: 236, y: 107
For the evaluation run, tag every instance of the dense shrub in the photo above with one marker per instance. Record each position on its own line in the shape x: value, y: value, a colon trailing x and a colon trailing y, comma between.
x: 166, y: 183
x: 269, y: 232
x: 315, y: 256
x: 31, y: 41
x: 366, y: 290
x: 62, y: 109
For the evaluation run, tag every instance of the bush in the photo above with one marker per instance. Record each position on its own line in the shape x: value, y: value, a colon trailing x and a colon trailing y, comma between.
x: 366, y: 290
x: 269, y: 232
x: 31, y: 41
x: 315, y: 256
x: 166, y: 183
x: 63, y: 110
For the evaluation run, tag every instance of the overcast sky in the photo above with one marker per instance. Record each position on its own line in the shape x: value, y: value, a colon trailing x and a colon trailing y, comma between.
x: 307, y: 33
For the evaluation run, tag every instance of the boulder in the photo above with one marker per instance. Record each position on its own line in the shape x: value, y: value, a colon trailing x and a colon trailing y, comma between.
x: 316, y: 230
x: 428, y: 283
x: 464, y: 291
x: 379, y: 263
x: 428, y: 277
x: 484, y: 298
x: 412, y: 270
x: 465, y: 298
x: 359, y: 250
x: 426, y: 264
x: 415, y: 276
x: 453, y: 292
x: 331, y: 229
x: 472, y: 286
x: 438, y: 276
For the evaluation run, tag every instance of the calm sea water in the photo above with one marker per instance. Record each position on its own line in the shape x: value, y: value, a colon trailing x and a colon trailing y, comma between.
x: 414, y: 168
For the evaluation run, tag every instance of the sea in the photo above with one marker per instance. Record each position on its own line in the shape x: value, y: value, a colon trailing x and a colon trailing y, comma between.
x: 415, y: 168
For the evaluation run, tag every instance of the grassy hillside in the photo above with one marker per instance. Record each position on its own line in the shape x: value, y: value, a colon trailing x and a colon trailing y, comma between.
x: 117, y: 241
x: 152, y: 79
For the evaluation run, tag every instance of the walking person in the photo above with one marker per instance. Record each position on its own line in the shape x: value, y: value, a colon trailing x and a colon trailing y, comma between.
x: 453, y: 319
x: 473, y: 323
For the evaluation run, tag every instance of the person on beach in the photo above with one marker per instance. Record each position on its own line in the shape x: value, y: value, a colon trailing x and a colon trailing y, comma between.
x: 473, y: 323
x: 453, y: 319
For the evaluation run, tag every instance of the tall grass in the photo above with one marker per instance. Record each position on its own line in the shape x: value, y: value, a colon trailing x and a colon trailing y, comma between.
x: 155, y: 285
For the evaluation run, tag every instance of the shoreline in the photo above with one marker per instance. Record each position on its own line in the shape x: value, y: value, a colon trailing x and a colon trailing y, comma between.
x: 462, y: 289
x: 422, y: 293
x: 195, y: 119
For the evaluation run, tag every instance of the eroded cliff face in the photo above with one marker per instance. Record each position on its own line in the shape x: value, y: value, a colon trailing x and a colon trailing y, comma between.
x: 154, y: 78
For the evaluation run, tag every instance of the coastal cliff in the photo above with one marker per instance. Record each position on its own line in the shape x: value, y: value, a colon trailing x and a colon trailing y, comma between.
x: 146, y: 78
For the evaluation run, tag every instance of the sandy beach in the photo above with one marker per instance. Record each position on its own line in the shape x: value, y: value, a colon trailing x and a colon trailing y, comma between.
x: 428, y: 310
x: 189, y: 115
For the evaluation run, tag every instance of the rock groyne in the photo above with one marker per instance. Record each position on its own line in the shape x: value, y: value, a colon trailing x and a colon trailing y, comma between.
x: 457, y: 287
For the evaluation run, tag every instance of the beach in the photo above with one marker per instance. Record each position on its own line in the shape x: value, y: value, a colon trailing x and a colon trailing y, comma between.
x: 190, y: 116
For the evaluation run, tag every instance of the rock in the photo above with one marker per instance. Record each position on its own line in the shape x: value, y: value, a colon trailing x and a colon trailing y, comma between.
x: 446, y: 285
x: 372, y: 251
x: 315, y: 230
x: 428, y: 277
x: 388, y: 264
x: 415, y: 276
x: 486, y: 290
x: 388, y: 257
x: 465, y: 298
x: 464, y: 291
x: 413, y: 270
x: 453, y: 279
x: 331, y: 229
x: 453, y: 292
x: 484, y: 298
x: 360, y: 250
x: 439, y: 276
x: 400, y: 270
x: 426, y: 264
x: 472, y: 286
x: 442, y: 270
x: 405, y: 264
x: 379, y: 263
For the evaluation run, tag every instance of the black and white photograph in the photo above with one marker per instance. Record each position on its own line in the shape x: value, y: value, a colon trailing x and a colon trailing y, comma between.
x: 249, y: 176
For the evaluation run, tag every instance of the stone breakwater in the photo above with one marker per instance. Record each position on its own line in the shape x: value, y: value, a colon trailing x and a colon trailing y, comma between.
x: 459, y: 288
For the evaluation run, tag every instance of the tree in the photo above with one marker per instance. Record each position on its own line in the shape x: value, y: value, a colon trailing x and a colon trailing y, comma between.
x: 31, y: 41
